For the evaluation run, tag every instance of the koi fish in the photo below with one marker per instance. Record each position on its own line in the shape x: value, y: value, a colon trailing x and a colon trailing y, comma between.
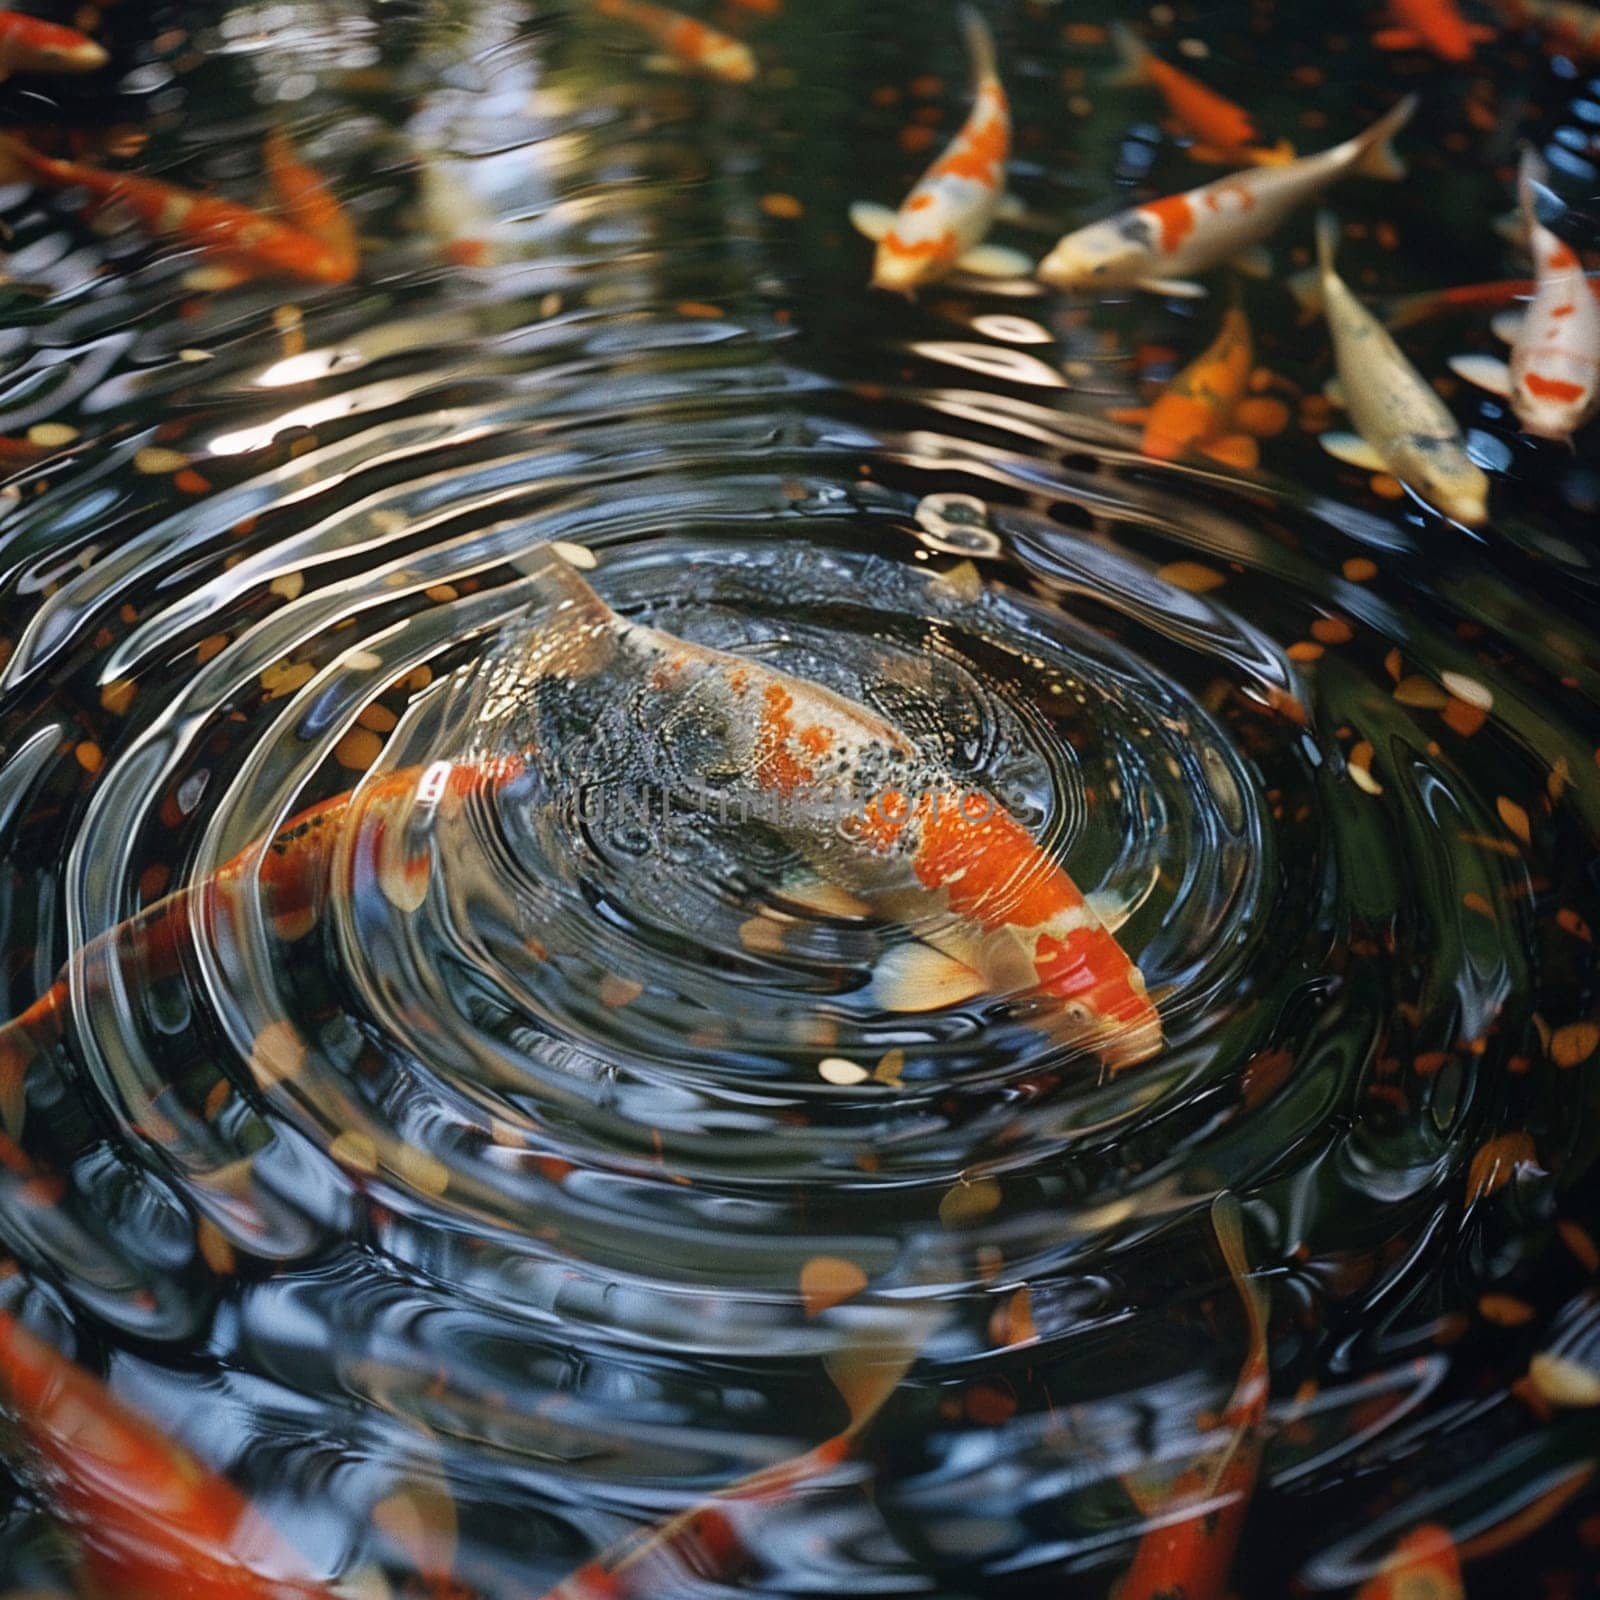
x: 687, y: 43
x: 1205, y: 410
x: 1565, y: 23
x: 1553, y: 381
x: 880, y: 820
x: 1423, y: 1566
x: 1403, y: 427
x: 705, y: 1540
x: 1227, y: 132
x: 1158, y: 246
x: 235, y: 236
x: 1189, y: 1550
x: 150, y: 1521
x: 1435, y: 25
x: 307, y: 201
x: 28, y: 44
x: 941, y: 224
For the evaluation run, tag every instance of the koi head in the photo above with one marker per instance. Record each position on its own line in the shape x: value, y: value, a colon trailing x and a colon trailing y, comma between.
x: 1552, y: 408
x: 1102, y: 1001
x: 903, y: 268
x: 1101, y: 256
x: 1444, y: 474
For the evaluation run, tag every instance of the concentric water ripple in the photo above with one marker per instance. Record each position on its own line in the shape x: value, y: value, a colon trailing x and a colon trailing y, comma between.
x: 550, y: 1157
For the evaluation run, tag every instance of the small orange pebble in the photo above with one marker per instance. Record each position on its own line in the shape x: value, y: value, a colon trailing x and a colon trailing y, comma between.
x: 928, y: 116
x: 1570, y: 1046
x: 616, y: 992
x: 215, y: 1249
x: 1463, y: 719
x: 190, y: 482
x: 1474, y: 901
x: 1264, y: 417
x: 1514, y: 818
x: 1191, y: 576
x: 117, y: 697
x: 1584, y: 1250
x: 828, y: 1281
x: 1358, y: 569
x: 153, y: 881
x: 697, y: 308
x: 90, y: 756
x: 213, y: 644
x: 1505, y: 1310
x: 1332, y: 630
x: 782, y: 205
x: 989, y: 1406
x: 927, y: 86
x: 358, y: 749
x: 380, y: 719
x: 1012, y: 1321
x: 1570, y: 922
x: 1084, y: 33
x: 1386, y: 486
x: 1430, y: 1062
x: 915, y: 138
x: 885, y: 95
x: 1420, y: 693
x: 1496, y: 1163
x: 442, y: 593
x: 1388, y: 236
x: 1304, y: 650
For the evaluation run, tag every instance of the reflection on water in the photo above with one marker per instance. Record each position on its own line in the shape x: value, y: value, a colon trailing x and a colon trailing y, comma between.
x: 524, y: 1162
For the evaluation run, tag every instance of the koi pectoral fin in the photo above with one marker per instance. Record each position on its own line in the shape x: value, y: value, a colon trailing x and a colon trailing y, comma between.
x: 995, y: 261
x: 1176, y: 288
x: 1485, y: 372
x: 1508, y: 325
x: 1354, y: 451
x: 871, y: 221
x: 913, y: 978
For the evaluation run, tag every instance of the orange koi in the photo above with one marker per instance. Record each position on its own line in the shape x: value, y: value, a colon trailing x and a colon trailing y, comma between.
x: 1553, y: 380
x: 1205, y: 409
x: 307, y: 201
x: 942, y: 222
x: 150, y: 1521
x: 687, y: 42
x: 1189, y: 1550
x: 1158, y: 246
x: 1423, y: 1566
x: 1564, y: 23
x: 1435, y: 25
x: 235, y: 236
x: 1227, y: 132
x: 28, y: 44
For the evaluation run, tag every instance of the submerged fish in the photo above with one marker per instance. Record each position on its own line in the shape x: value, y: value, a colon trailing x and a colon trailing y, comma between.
x: 307, y: 201
x: 1205, y: 410
x: 686, y: 42
x: 1159, y: 245
x: 247, y: 242
x: 150, y: 1521
x: 1403, y: 427
x: 28, y: 44
x: 1423, y: 1566
x: 1189, y: 1549
x: 1433, y: 25
x: 943, y: 221
x: 1553, y: 380
x: 1226, y: 132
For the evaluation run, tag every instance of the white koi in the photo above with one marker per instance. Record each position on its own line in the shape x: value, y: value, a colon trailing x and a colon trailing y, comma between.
x: 1161, y: 245
x: 1403, y: 427
x: 943, y: 221
x: 1553, y: 380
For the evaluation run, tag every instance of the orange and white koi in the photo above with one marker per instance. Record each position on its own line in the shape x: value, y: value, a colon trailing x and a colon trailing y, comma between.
x: 942, y: 223
x: 686, y: 42
x: 1422, y: 1566
x: 1207, y: 409
x: 1226, y: 132
x: 1195, y: 1530
x: 1402, y: 426
x: 234, y: 236
x: 877, y: 818
x: 1553, y: 380
x: 1564, y: 23
x: 1157, y: 246
x: 28, y: 44
x: 1433, y: 25
x: 150, y: 1521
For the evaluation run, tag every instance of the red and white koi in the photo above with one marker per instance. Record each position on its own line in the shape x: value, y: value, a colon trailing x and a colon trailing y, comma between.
x: 943, y: 221
x: 28, y: 44
x: 1226, y: 132
x: 1566, y: 24
x: 1196, y: 1524
x: 1403, y: 427
x: 686, y: 43
x: 247, y: 242
x: 149, y: 1520
x: 1433, y: 25
x: 1553, y: 380
x: 1160, y: 245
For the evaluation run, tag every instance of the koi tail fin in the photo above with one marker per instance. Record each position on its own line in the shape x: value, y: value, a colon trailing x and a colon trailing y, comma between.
x: 980, y: 44
x: 1534, y: 196
x: 1132, y: 54
x: 1379, y: 158
x: 1227, y: 1219
x: 1327, y: 246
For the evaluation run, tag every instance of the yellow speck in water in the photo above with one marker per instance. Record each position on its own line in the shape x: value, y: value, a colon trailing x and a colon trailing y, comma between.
x: 1515, y: 819
x: 90, y: 756
x: 358, y: 749
x: 117, y: 697
x: 155, y: 462
x: 290, y: 586
x: 969, y: 1202
x: 836, y: 1070
x: 827, y: 1281
x: 51, y: 435
x: 1573, y: 1044
x: 616, y: 992
x: 355, y: 1150
x: 1191, y: 576
x: 278, y: 1053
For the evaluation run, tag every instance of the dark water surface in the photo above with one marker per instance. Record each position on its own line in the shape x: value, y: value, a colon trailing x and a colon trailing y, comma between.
x: 464, y: 1224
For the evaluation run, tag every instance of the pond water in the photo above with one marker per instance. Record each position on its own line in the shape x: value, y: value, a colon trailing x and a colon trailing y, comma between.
x: 572, y: 1175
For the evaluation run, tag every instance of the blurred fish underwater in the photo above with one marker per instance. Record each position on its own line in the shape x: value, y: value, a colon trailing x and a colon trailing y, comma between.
x: 799, y: 799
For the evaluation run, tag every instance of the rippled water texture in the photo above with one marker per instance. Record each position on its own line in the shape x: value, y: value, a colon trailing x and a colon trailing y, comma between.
x: 566, y: 1157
